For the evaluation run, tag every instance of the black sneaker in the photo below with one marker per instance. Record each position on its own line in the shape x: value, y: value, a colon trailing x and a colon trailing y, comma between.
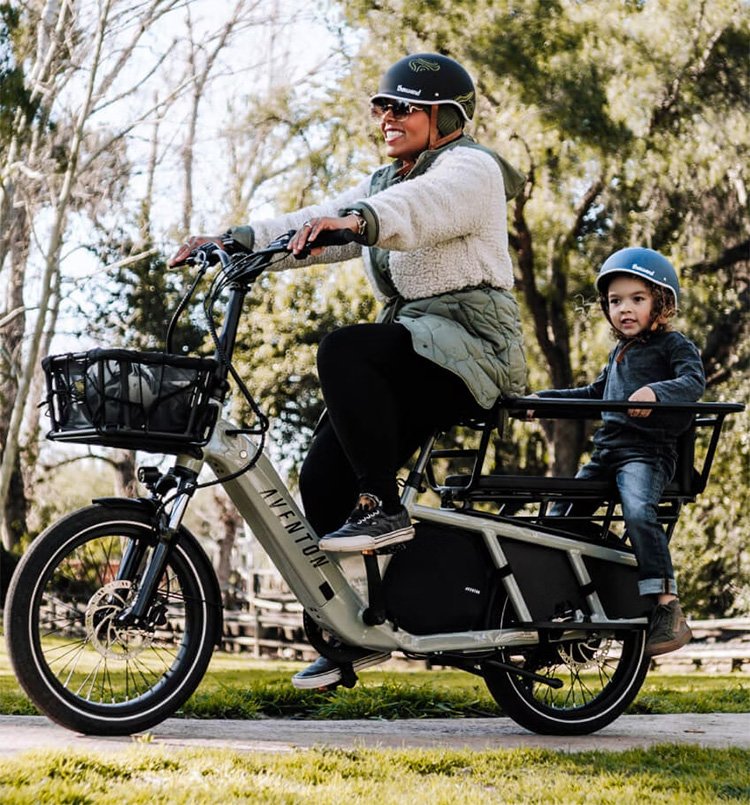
x: 324, y: 672
x: 367, y: 529
x: 668, y: 629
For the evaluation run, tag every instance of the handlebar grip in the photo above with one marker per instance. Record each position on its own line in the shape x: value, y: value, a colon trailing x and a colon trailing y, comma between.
x: 329, y: 237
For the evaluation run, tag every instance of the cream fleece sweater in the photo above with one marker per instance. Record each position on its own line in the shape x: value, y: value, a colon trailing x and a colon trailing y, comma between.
x: 445, y: 229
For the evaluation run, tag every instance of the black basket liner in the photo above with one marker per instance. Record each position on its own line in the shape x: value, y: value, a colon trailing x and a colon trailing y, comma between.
x: 150, y: 401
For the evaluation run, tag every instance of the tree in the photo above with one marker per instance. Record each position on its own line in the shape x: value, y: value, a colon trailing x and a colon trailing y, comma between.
x: 626, y: 139
x: 52, y: 172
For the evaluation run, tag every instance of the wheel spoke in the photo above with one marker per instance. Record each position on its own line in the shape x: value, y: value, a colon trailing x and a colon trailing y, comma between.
x: 598, y: 676
x: 87, y: 651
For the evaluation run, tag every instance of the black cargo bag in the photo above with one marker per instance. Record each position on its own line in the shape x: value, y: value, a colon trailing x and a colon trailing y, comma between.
x: 439, y: 582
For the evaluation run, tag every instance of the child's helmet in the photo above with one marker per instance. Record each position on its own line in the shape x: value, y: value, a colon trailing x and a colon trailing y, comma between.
x: 429, y: 79
x: 641, y: 262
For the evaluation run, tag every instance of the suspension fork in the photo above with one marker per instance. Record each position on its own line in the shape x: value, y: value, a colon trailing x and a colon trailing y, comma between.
x: 166, y: 527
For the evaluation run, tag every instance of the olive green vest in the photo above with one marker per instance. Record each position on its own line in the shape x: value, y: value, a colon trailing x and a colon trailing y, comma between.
x: 473, y: 332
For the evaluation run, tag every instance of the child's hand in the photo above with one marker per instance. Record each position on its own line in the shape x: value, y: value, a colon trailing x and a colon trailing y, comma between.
x: 530, y: 413
x: 643, y: 394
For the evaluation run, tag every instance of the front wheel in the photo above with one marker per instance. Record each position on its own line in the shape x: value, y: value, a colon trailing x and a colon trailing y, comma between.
x: 601, y: 673
x: 76, y: 661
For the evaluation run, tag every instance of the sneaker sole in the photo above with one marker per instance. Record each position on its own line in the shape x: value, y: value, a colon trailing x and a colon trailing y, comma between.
x: 672, y: 645
x: 334, y: 675
x: 365, y: 542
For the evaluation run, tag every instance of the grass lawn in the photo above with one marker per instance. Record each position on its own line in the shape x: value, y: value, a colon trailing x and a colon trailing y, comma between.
x: 662, y: 774
x: 240, y: 687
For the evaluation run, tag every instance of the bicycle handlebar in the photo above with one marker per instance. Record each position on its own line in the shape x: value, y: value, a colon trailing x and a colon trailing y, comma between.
x: 244, y: 264
x: 329, y: 237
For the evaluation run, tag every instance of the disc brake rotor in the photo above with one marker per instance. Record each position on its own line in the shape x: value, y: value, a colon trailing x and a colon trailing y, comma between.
x: 584, y: 654
x: 109, y: 638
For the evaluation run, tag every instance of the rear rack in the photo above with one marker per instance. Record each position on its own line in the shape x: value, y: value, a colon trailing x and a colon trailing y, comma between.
x: 512, y: 494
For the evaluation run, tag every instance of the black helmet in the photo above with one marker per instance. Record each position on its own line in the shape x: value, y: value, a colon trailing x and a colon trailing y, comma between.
x: 429, y: 79
x: 644, y: 263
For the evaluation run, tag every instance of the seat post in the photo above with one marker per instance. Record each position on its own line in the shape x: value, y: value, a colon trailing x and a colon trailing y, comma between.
x: 416, y: 477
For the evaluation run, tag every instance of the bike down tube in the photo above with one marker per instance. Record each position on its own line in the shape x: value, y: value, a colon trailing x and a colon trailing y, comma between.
x: 278, y: 524
x: 315, y: 577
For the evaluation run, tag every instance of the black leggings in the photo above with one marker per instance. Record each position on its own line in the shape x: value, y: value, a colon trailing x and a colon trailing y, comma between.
x: 383, y: 401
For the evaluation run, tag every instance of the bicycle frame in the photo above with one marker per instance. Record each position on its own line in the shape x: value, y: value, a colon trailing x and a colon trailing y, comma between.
x: 321, y: 581
x: 546, y: 610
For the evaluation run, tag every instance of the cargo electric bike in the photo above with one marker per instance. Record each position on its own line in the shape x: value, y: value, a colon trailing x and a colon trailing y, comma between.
x: 114, y: 612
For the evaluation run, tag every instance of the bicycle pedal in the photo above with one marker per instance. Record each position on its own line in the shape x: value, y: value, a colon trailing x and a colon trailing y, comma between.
x: 389, y: 549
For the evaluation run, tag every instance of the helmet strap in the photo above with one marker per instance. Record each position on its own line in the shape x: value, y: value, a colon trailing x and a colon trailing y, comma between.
x: 435, y: 140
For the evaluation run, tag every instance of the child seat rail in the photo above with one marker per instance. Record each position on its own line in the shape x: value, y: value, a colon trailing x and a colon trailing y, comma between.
x: 150, y: 401
x: 512, y: 493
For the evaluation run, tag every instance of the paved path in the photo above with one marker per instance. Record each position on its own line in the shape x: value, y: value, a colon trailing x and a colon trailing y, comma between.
x: 25, y: 733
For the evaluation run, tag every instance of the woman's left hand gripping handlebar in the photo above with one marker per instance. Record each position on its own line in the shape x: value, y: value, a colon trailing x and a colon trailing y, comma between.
x: 305, y: 236
x: 189, y: 246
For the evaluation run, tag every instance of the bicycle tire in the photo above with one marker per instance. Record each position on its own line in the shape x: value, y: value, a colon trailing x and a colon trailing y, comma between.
x: 76, y: 664
x: 601, y: 672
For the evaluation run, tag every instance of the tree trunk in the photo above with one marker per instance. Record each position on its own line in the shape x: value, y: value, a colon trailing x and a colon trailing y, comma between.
x: 14, y: 509
x: 126, y: 483
x: 230, y: 523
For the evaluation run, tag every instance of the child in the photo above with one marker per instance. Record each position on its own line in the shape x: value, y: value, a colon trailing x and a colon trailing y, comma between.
x: 639, y: 292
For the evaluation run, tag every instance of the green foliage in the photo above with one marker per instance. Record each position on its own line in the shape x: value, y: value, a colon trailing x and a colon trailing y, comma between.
x: 71, y: 485
x: 140, y: 296
x: 627, y: 139
x: 14, y: 95
x: 287, y: 317
x: 710, y: 546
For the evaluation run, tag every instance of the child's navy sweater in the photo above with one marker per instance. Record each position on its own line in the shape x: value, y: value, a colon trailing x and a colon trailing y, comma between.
x: 667, y: 362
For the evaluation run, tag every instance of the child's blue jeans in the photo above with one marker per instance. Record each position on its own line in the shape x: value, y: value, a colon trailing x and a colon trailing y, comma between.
x: 641, y: 479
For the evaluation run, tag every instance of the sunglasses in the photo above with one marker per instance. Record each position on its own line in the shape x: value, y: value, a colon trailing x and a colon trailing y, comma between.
x: 398, y: 109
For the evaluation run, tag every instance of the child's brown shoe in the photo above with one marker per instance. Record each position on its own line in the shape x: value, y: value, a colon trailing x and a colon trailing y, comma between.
x: 668, y: 629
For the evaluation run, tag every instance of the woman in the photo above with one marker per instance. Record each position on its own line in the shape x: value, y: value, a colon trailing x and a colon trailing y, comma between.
x: 447, y: 343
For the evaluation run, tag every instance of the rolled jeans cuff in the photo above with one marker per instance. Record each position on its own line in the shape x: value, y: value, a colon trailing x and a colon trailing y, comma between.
x: 657, y: 586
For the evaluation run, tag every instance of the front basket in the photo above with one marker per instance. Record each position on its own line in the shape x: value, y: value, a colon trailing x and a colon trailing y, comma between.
x: 148, y: 401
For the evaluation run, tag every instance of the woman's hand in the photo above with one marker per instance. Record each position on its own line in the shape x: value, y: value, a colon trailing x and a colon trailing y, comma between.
x: 643, y: 394
x: 193, y: 242
x: 310, y: 230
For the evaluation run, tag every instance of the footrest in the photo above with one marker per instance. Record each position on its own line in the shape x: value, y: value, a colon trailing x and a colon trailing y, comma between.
x: 536, y: 485
x: 529, y: 483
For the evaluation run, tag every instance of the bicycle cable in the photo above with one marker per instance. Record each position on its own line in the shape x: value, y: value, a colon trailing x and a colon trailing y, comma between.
x: 218, y: 285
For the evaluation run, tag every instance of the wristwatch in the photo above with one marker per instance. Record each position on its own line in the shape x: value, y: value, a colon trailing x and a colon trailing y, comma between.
x: 361, y: 222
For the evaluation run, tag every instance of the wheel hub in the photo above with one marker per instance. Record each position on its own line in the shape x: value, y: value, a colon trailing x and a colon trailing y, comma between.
x: 584, y: 654
x: 110, y: 639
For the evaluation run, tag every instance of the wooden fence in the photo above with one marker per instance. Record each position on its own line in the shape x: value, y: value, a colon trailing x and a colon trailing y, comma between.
x: 270, y: 625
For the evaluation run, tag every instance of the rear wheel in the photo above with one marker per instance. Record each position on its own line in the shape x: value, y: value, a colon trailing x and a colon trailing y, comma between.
x: 77, y: 662
x: 601, y: 672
